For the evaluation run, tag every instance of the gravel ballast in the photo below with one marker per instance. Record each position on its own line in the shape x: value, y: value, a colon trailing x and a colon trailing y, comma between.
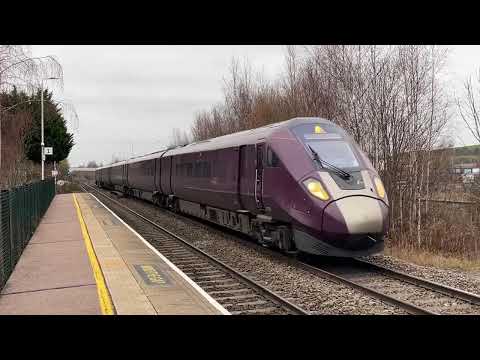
x: 455, y: 278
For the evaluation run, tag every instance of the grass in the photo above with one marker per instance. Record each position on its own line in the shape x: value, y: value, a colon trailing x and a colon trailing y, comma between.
x: 425, y: 258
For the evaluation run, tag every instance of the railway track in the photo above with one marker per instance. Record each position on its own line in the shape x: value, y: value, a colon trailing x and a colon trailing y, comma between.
x: 415, y: 295
x: 412, y: 294
x: 427, y: 296
x: 237, y: 293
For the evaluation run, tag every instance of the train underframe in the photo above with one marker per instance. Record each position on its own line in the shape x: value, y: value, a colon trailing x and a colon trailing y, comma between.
x: 262, y: 228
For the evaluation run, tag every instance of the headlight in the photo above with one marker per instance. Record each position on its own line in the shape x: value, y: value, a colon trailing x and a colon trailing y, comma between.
x: 380, y: 188
x: 316, y: 189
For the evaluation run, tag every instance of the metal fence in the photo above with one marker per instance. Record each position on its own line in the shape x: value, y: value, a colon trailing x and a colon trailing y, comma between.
x: 21, y: 209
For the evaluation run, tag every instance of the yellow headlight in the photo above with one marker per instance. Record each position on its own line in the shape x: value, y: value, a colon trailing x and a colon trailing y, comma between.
x: 316, y: 189
x: 380, y: 188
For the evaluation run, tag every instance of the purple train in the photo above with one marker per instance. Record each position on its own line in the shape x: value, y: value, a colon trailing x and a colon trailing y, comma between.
x: 298, y: 185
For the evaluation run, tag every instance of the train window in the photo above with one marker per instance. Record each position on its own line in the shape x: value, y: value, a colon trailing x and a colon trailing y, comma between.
x: 207, y: 169
x: 272, y: 159
x: 338, y: 153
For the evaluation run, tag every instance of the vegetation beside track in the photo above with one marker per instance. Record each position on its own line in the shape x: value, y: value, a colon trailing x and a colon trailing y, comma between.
x: 430, y: 258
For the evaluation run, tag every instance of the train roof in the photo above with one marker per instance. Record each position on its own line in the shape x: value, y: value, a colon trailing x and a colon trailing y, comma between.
x: 243, y: 137
x: 77, y: 169
x: 132, y: 160
x: 226, y: 141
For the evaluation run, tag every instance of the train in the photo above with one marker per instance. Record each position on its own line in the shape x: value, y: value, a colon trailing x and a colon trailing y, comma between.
x: 300, y: 186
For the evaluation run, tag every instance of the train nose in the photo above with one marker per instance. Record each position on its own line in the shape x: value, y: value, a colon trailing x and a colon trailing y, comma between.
x: 355, y: 215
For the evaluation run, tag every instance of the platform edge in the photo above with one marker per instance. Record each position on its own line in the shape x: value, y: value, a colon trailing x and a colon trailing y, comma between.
x: 202, y: 292
x: 105, y: 300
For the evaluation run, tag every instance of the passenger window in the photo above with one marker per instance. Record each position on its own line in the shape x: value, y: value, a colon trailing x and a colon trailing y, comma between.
x: 272, y: 159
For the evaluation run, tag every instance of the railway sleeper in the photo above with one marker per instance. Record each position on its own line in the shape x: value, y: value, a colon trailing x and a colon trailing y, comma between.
x: 202, y: 272
x: 266, y: 310
x: 247, y: 305
x: 226, y: 292
x: 188, y: 261
x: 218, y: 281
x: 237, y: 297
x: 223, y: 287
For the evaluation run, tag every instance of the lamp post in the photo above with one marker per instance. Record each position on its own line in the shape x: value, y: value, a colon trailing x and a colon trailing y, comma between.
x: 43, y: 142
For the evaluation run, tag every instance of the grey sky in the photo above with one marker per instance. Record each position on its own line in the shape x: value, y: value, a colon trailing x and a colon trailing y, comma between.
x: 135, y: 95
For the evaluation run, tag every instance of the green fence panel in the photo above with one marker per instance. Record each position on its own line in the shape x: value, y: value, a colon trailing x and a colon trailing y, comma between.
x: 21, y: 210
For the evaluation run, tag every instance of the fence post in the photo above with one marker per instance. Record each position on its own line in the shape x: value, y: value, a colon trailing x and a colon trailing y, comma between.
x: 13, y: 248
x: 5, y: 245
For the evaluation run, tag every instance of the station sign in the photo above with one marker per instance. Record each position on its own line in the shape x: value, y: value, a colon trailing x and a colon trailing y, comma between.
x: 49, y: 151
x: 54, y: 173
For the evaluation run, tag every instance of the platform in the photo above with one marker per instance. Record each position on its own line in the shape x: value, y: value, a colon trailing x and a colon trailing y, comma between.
x: 83, y: 259
x: 53, y: 275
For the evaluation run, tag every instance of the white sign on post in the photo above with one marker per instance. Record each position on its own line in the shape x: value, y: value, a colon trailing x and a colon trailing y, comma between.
x: 54, y: 173
x: 49, y: 151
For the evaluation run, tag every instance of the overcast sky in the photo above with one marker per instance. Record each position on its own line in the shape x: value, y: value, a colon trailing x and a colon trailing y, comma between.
x: 133, y: 96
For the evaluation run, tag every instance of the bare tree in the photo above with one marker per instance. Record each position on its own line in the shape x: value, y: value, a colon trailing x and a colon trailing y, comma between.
x: 468, y: 106
x: 20, y: 69
x: 178, y: 138
x: 389, y: 98
x: 92, y: 164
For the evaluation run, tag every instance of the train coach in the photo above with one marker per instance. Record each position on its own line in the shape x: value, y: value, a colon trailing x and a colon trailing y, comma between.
x: 298, y: 185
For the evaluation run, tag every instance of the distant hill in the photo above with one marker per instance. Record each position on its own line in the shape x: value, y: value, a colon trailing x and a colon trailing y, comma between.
x: 467, y: 154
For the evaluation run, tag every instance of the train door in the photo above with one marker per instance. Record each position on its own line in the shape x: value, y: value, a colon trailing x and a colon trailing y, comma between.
x: 165, y: 174
x: 259, y: 175
x: 125, y: 174
x: 158, y: 175
x: 247, y: 177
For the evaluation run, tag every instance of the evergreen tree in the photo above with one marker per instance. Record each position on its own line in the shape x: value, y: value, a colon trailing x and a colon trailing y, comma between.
x: 55, y: 129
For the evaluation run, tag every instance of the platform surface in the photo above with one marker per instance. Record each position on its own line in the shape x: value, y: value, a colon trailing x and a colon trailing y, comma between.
x: 53, y: 275
x: 138, y: 279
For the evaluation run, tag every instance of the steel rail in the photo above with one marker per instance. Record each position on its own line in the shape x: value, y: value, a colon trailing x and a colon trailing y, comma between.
x: 237, y: 275
x: 417, y: 281
x: 408, y: 307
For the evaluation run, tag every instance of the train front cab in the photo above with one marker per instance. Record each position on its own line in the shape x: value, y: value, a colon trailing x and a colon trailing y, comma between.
x: 332, y: 214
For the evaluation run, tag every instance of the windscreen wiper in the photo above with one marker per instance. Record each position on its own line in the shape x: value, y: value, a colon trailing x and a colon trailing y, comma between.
x: 342, y: 173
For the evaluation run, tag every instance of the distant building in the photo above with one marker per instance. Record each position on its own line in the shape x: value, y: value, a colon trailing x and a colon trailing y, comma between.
x: 468, y: 171
x: 467, y: 168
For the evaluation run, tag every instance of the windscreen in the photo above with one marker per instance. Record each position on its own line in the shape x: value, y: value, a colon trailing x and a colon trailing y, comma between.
x: 338, y: 153
x: 328, y: 141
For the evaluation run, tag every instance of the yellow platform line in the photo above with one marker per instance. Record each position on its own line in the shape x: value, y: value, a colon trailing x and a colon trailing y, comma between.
x: 103, y: 295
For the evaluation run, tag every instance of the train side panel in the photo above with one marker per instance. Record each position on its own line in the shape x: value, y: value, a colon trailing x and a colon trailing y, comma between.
x: 209, y: 178
x: 166, y: 176
x: 116, y: 177
x: 141, y: 175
